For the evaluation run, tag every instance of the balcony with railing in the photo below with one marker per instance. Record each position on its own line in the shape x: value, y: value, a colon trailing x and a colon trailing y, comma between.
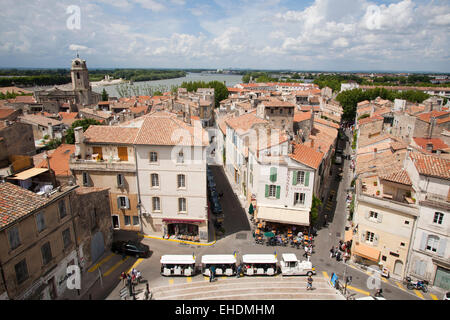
x: 96, y: 164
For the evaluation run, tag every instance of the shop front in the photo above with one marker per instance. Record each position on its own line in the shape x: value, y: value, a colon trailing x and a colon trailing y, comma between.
x: 189, y: 230
x: 365, y: 255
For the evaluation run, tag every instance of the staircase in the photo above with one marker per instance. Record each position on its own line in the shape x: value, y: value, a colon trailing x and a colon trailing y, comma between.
x: 249, y: 288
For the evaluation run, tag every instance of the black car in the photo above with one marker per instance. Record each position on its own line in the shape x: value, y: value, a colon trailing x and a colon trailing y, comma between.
x: 131, y: 248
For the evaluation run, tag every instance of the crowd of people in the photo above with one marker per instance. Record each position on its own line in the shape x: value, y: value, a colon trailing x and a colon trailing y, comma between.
x: 342, y: 251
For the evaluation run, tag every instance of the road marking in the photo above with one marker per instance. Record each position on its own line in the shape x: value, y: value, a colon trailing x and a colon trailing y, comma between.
x: 115, y: 266
x: 400, y: 285
x: 101, y: 262
x: 170, y: 281
x: 325, y: 275
x: 384, y: 279
x: 189, y: 279
x: 418, y: 294
x: 205, y: 278
x: 433, y: 297
x: 358, y: 290
x: 135, y: 264
x: 224, y: 278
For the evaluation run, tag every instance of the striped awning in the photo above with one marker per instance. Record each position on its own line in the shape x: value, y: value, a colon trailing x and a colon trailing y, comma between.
x: 27, y: 174
x: 366, y: 252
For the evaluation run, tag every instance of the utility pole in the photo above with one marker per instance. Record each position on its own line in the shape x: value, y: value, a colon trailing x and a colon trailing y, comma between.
x: 345, y: 279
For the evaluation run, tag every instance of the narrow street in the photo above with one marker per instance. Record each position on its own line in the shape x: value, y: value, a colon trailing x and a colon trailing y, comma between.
x: 238, y: 238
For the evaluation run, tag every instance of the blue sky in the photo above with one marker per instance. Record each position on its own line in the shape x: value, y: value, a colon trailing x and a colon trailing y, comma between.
x: 405, y: 35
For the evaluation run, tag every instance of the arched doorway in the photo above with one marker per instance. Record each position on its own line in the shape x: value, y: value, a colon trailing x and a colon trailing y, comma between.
x: 398, y: 267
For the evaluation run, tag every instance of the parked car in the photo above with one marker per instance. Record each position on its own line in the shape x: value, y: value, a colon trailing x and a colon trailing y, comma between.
x: 131, y: 248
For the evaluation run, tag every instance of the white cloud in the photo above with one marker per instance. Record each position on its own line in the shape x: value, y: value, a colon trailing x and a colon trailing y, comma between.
x: 151, y: 5
x: 258, y: 34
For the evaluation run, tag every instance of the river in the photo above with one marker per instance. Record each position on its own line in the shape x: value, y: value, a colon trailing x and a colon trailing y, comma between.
x: 140, y: 87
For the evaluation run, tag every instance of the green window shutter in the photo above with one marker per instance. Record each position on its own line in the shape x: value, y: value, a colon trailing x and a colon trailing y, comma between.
x: 307, y: 178
x: 294, y: 178
x: 267, y: 190
x: 273, y: 174
x: 278, y: 192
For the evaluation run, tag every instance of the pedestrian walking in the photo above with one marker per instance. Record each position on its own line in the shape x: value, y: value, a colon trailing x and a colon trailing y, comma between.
x: 332, y: 252
x: 238, y: 272
x: 325, y: 220
x: 147, y: 291
x: 211, y: 273
x: 338, y: 256
x: 123, y: 276
x: 309, y: 283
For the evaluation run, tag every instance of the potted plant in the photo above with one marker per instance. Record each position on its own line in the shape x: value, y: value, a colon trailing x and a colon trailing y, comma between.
x: 378, y: 192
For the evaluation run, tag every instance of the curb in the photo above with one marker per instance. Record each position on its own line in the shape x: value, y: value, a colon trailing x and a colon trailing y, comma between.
x: 181, y: 241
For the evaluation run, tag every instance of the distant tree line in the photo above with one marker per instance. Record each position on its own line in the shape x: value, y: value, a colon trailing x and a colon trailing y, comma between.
x: 48, y: 77
x: 30, y: 81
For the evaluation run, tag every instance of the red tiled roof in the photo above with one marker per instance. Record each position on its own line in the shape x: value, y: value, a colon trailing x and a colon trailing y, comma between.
x: 431, y: 165
x: 162, y: 128
x: 326, y: 123
x: 370, y: 119
x: 278, y: 103
x: 110, y: 134
x: 6, y: 112
x: 427, y: 116
x: 306, y: 155
x: 399, y: 177
x: 437, y: 143
x: 302, y: 116
x: 244, y: 122
x: 68, y: 115
x: 17, y: 202
x: 59, y: 160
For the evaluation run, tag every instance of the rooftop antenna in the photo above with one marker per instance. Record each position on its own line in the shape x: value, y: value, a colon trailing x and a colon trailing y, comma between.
x: 78, y: 54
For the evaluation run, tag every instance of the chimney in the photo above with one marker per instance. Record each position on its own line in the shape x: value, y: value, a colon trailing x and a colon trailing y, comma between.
x: 429, y: 147
x: 432, y: 125
x: 312, y: 143
x: 80, y: 147
x: 50, y: 130
x: 375, y: 153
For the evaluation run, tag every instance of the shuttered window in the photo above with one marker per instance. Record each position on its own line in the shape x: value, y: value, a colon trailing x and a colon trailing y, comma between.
x: 273, y: 174
x: 123, y: 202
x: 123, y: 153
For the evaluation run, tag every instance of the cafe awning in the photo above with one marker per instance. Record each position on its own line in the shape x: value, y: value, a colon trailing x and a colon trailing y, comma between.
x: 27, y: 174
x: 282, y: 215
x: 367, y: 252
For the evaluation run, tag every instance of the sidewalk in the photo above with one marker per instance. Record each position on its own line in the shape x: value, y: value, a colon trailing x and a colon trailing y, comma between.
x: 91, y: 284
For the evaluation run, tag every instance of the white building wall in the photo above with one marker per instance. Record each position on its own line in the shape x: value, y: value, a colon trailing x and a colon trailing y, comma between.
x: 195, y: 191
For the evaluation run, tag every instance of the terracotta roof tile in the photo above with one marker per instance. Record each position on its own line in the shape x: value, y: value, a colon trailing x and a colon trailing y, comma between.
x: 161, y: 128
x: 431, y: 165
x: 399, y: 177
x: 302, y: 116
x: 306, y: 155
x: 17, y: 202
x: 439, y: 115
x: 110, y: 134
x: 59, y: 160
x: 244, y: 122
x: 437, y: 143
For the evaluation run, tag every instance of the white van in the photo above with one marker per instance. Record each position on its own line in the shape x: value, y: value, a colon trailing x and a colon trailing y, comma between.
x: 291, y: 266
x: 224, y: 264
x: 177, y: 265
x: 259, y: 264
